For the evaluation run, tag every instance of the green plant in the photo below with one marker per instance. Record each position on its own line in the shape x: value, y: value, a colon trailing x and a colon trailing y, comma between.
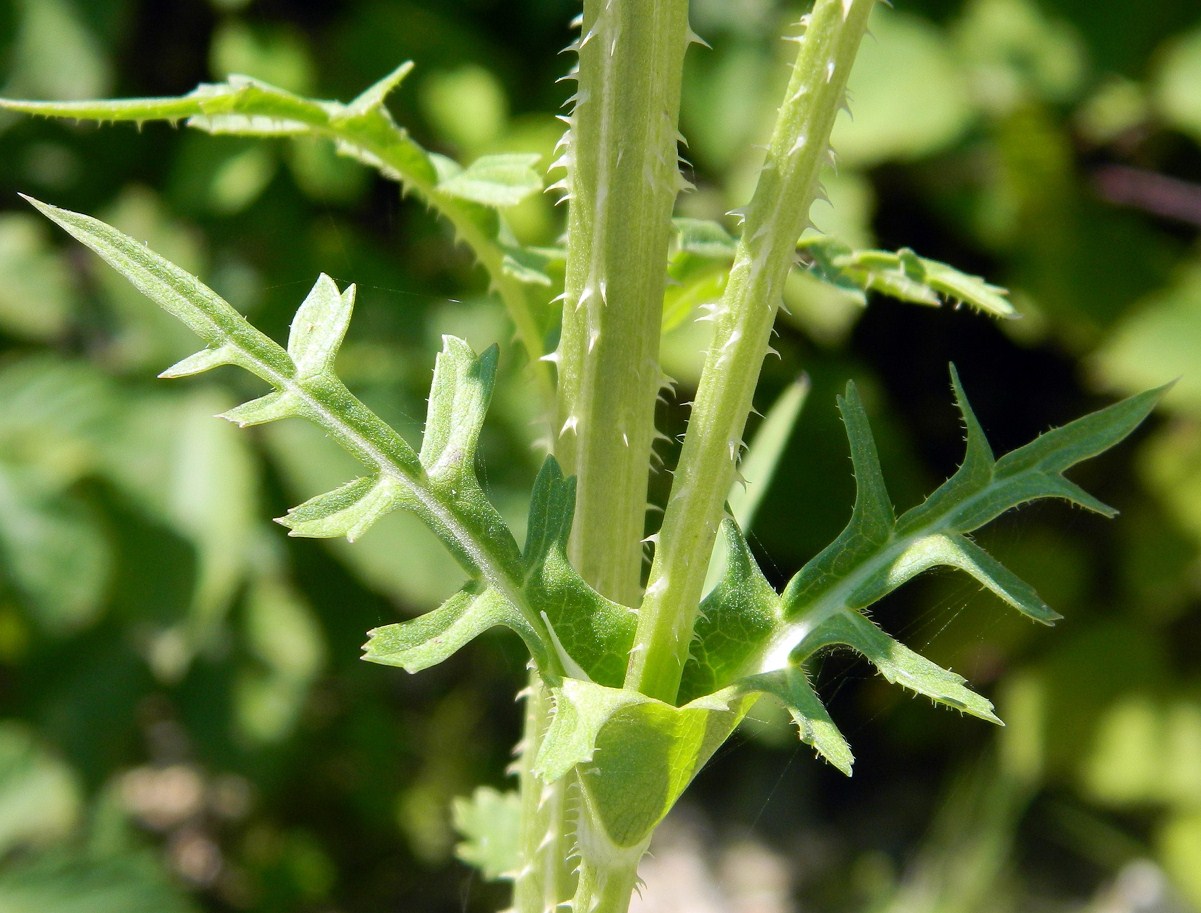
x: 635, y: 682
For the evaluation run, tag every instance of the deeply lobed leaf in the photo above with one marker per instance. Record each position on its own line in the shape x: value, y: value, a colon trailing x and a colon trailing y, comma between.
x: 902, y: 275
x: 750, y: 638
x: 468, y: 198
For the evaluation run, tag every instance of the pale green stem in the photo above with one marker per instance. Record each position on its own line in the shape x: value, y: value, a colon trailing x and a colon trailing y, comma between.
x: 621, y: 158
x: 622, y: 178
x: 545, y: 877
x: 778, y: 213
x: 608, y: 874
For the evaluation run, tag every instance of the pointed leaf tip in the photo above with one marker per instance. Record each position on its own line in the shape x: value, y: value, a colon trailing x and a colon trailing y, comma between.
x: 347, y: 511
x: 375, y: 95
x: 319, y: 327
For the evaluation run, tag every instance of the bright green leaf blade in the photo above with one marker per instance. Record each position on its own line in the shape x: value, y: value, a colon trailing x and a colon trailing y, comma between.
x: 900, y: 665
x: 40, y: 800
x: 53, y: 552
x: 272, y: 407
x: 433, y: 637
x: 319, y: 327
x: 70, y: 882
x: 373, y: 98
x: 814, y: 725
x: 957, y: 286
x: 704, y: 239
x: 282, y: 633
x: 32, y: 273
x: 738, y: 614
x: 758, y: 466
x: 954, y: 551
x: 593, y: 634
x: 902, y: 275
x: 872, y: 516
x: 364, y: 131
x: 1062, y: 448
x: 490, y: 824
x: 346, y: 511
x: 179, y: 293
x: 495, y: 180
x: 637, y: 754
x: 459, y: 398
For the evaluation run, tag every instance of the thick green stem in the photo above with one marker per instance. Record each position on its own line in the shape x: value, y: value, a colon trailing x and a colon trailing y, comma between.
x: 621, y: 159
x: 778, y: 213
x: 622, y: 178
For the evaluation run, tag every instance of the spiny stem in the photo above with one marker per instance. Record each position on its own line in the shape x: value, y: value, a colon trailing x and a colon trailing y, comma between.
x: 778, y: 213
x: 608, y: 874
x: 544, y: 878
x: 621, y: 158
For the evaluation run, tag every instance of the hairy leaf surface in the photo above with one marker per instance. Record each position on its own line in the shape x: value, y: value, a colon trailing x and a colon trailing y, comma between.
x: 749, y: 637
x: 363, y: 130
x: 902, y: 275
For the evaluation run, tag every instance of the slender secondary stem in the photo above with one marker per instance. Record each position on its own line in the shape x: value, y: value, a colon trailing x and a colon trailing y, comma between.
x: 622, y: 179
x: 775, y: 218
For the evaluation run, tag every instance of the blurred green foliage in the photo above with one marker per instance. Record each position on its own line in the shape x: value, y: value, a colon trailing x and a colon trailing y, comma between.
x: 165, y: 747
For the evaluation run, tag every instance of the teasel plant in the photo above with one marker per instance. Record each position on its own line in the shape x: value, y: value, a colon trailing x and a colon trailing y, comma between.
x: 637, y: 674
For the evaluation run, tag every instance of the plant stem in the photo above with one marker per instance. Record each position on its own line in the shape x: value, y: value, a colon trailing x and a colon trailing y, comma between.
x: 545, y: 878
x: 774, y: 220
x: 608, y: 874
x: 620, y: 155
x: 622, y: 179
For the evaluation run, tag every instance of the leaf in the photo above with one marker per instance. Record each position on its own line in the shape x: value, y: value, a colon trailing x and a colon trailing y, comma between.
x: 898, y: 664
x: 282, y: 633
x: 594, y: 633
x: 1158, y: 339
x: 814, y: 726
x: 704, y: 239
x: 749, y: 638
x: 459, y: 397
x: 347, y: 511
x: 875, y: 554
x: 433, y: 637
x: 910, y: 59
x: 697, y: 270
x: 635, y: 755
x: 495, y: 180
x: 902, y: 275
x: 765, y: 452
x: 1178, y: 69
x: 439, y: 485
x: 74, y: 882
x: 530, y: 265
x: 32, y: 273
x: 319, y: 327
x: 489, y: 823
x: 177, y: 292
x: 53, y: 552
x: 737, y: 615
x: 365, y: 131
